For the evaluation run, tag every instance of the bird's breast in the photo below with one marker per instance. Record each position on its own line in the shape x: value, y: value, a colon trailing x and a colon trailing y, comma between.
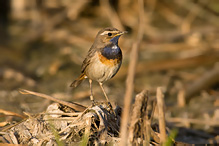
x: 104, y: 64
x: 110, y: 56
x: 109, y: 62
x: 111, y: 52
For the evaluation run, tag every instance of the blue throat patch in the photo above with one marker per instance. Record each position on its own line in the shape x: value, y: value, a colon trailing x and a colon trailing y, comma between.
x: 110, y: 53
x: 115, y: 40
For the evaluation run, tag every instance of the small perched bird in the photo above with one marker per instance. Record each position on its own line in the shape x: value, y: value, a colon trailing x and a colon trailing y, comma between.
x: 103, y: 59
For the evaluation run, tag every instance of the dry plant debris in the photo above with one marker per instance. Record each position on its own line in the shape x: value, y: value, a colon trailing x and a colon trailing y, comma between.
x: 60, y: 124
x: 61, y: 121
x: 98, y: 124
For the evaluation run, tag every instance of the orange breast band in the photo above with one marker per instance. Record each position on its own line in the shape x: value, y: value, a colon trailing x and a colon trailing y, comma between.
x: 109, y: 62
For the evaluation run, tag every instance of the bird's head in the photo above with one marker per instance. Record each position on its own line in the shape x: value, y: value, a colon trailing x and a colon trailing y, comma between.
x: 109, y: 35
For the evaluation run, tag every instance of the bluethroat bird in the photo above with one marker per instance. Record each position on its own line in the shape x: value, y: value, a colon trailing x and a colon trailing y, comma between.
x: 103, y: 59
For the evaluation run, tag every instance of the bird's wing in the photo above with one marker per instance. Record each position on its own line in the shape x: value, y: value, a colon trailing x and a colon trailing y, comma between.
x: 87, y: 60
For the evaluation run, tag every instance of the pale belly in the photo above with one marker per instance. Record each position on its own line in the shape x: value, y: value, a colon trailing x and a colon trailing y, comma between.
x: 100, y: 71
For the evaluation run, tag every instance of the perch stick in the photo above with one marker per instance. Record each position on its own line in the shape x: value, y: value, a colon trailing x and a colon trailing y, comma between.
x: 160, y: 106
x: 75, y: 106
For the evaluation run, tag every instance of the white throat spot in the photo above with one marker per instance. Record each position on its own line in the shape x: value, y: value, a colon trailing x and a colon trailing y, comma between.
x: 114, y: 47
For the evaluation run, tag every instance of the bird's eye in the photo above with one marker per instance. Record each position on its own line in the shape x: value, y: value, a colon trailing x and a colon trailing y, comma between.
x: 109, y: 34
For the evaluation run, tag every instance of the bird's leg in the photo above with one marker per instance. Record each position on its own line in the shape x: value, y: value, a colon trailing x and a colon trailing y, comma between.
x: 101, y: 85
x: 108, y: 103
x: 91, y: 92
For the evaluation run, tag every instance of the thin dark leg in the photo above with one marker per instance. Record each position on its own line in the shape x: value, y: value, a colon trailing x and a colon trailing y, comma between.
x: 101, y: 85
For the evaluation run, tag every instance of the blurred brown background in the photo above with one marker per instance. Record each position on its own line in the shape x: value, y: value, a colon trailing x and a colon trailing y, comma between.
x: 43, y: 44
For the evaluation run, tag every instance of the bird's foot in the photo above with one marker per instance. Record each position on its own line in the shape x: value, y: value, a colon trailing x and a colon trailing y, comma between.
x: 111, y: 107
x: 94, y: 103
x: 109, y: 104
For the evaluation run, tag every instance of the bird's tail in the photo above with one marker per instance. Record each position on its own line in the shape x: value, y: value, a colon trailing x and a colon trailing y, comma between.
x: 78, y: 80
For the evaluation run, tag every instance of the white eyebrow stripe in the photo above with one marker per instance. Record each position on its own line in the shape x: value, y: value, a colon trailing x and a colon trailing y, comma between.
x: 106, y: 32
x: 103, y: 33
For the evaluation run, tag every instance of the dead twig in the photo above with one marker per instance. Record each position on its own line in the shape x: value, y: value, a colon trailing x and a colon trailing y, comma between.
x: 169, y: 14
x: 138, y: 115
x: 161, y: 115
x: 75, y: 106
x: 147, y: 123
x: 205, y: 81
x: 181, y: 101
x: 194, y: 121
x: 75, y: 8
x: 187, y: 22
x: 111, y: 13
x: 172, y: 64
x: 9, y: 113
x: 190, y: 5
x: 153, y: 134
x: 131, y: 75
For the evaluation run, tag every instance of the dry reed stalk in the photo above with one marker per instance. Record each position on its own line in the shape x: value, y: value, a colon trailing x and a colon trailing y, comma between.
x: 153, y: 134
x: 75, y: 106
x: 169, y: 14
x: 205, y: 122
x: 74, y: 9
x: 111, y: 14
x: 9, y: 113
x: 181, y: 100
x: 151, y: 5
x: 172, y: 64
x: 186, y: 24
x: 161, y: 115
x: 178, y: 63
x: 128, y: 94
x: 205, y: 81
x: 131, y: 75
x: 147, y: 124
x: 137, y: 126
x: 189, y: 5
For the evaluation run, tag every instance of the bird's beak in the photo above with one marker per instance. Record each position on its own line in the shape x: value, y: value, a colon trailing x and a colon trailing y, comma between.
x: 121, y: 33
